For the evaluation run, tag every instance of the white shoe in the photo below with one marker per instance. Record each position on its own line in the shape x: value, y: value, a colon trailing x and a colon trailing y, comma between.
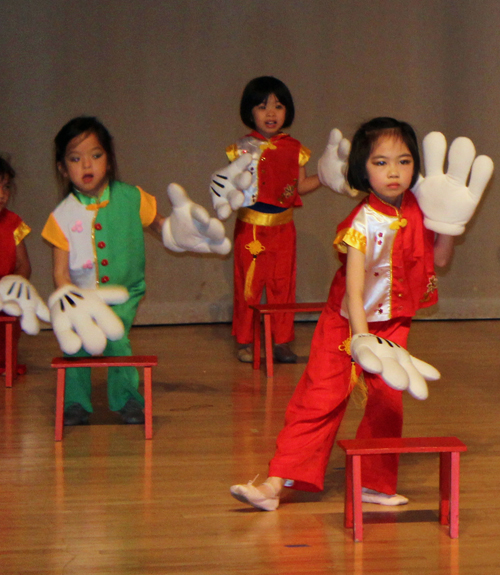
x: 371, y: 496
x: 250, y: 494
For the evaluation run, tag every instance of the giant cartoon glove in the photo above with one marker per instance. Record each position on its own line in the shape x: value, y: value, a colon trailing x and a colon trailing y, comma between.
x: 332, y: 166
x: 82, y: 317
x: 20, y: 298
x: 394, y: 364
x: 446, y: 201
x: 190, y: 228
x: 228, y: 185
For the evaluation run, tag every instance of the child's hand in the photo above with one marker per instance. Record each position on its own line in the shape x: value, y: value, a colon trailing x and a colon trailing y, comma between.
x: 20, y: 298
x: 394, y: 364
x: 228, y: 184
x: 190, y: 227
x: 332, y: 166
x: 446, y: 201
x: 82, y: 317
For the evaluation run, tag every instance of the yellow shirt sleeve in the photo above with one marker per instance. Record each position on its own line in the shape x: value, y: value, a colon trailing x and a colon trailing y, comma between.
x: 350, y: 237
x: 21, y: 232
x: 54, y: 235
x: 232, y: 152
x: 304, y: 155
x: 148, y: 208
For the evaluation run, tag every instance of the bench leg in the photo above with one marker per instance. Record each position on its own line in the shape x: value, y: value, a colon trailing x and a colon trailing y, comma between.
x: 454, y: 494
x: 269, y: 345
x: 61, y: 381
x: 10, y: 360
x: 256, y: 339
x: 356, y: 498
x: 148, y: 403
x: 348, y: 516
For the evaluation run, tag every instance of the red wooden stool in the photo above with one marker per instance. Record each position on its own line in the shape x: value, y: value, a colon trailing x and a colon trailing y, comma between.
x: 449, y: 449
x: 265, y: 311
x: 145, y: 361
x: 10, y: 348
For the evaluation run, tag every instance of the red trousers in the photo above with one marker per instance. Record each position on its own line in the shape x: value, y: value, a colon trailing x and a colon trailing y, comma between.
x: 275, y: 270
x: 318, y: 404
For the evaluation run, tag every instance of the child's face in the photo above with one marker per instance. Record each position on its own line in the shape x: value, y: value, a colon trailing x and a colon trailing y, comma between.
x: 269, y: 117
x: 86, y: 165
x: 5, y: 188
x: 390, y: 169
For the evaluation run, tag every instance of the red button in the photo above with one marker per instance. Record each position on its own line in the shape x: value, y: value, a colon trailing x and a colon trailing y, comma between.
x: 105, y: 280
x: 104, y: 262
x: 101, y: 245
x: 98, y: 226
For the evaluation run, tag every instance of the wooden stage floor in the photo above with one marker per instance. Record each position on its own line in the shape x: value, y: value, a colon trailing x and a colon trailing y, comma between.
x: 105, y: 501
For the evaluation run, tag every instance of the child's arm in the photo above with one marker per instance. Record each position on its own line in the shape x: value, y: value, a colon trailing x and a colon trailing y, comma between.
x: 60, y: 267
x: 23, y: 266
x: 443, y: 249
x: 307, y: 184
x: 157, y: 225
x: 355, y: 284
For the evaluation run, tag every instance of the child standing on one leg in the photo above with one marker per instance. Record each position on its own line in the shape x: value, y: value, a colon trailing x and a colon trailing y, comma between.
x: 265, y: 236
x: 14, y: 258
x: 387, y: 274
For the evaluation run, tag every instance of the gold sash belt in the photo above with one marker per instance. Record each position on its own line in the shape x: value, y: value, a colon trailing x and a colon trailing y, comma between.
x: 250, y: 216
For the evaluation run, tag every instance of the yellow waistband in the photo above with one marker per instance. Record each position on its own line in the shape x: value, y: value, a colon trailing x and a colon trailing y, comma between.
x: 250, y: 216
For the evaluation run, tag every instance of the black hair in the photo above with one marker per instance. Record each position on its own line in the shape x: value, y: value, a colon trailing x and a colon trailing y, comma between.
x: 362, y: 144
x: 76, y: 127
x: 7, y: 172
x: 258, y: 91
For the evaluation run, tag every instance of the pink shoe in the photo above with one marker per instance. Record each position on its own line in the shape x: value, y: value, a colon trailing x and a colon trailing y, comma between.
x: 250, y: 494
x: 371, y: 496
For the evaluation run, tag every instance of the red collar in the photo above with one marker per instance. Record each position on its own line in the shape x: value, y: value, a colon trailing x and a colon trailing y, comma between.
x: 389, y: 210
x: 258, y: 136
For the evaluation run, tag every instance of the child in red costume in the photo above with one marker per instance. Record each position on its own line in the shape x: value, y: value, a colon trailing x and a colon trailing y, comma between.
x: 14, y: 255
x: 387, y: 274
x: 265, y: 236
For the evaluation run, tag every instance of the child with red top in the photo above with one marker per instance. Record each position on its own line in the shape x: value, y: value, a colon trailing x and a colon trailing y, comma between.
x: 265, y: 236
x: 388, y: 248
x: 14, y: 255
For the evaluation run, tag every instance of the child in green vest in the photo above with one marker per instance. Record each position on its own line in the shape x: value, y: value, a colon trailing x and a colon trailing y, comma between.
x: 97, y: 238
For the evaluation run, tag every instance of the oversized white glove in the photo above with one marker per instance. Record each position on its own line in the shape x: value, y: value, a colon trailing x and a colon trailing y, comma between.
x: 82, y: 317
x: 228, y: 185
x: 445, y: 199
x: 332, y: 166
x: 190, y: 227
x: 393, y: 363
x: 20, y: 298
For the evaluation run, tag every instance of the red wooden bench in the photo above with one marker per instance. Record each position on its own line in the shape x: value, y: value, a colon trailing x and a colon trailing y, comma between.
x: 265, y: 311
x: 10, y: 349
x: 145, y: 361
x: 449, y: 449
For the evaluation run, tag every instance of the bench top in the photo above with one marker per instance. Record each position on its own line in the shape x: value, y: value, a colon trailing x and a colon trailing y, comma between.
x: 401, y: 445
x: 291, y: 307
x: 100, y: 361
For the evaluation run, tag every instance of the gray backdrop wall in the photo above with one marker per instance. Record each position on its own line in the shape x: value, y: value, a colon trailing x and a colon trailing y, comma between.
x: 165, y: 77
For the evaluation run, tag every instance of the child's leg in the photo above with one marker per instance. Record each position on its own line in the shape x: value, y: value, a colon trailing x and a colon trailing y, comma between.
x: 383, y: 416
x: 123, y: 382
x: 243, y: 259
x: 281, y: 284
x: 316, y: 408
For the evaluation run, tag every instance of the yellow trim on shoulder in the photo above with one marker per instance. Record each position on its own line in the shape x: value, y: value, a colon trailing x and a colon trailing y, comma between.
x: 304, y: 155
x: 54, y: 235
x: 148, y: 208
x: 350, y: 237
x: 21, y: 232
x: 232, y: 152
x: 250, y: 216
